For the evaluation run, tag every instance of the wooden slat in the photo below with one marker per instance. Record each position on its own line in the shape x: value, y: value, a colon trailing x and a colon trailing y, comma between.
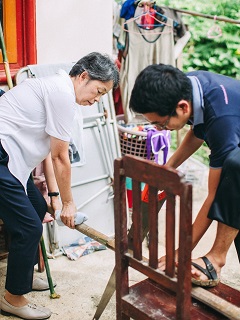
x: 152, y: 273
x: 120, y: 230
x: 184, y: 253
x: 153, y: 227
x: 161, y: 304
x: 170, y: 235
x: 153, y: 174
x: 137, y: 220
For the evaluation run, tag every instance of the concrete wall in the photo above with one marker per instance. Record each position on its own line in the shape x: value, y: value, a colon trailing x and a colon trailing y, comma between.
x: 69, y: 29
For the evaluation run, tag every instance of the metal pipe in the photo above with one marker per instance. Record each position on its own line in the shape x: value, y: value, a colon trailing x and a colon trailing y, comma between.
x: 76, y: 184
x: 93, y: 197
x: 105, y: 151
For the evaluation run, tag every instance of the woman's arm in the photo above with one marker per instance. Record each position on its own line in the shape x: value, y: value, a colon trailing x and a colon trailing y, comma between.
x: 62, y: 170
x: 49, y: 174
x: 52, y: 186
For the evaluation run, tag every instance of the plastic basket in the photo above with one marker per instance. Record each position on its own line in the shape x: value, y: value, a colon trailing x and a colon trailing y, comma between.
x: 132, y: 142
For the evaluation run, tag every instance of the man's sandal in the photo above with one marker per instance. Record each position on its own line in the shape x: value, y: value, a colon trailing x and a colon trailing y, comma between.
x: 210, y: 272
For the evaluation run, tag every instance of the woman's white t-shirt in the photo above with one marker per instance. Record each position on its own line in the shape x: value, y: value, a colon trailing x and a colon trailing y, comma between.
x: 30, y: 113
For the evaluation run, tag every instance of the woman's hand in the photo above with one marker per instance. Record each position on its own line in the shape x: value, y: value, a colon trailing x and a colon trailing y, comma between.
x: 55, y: 204
x: 68, y: 214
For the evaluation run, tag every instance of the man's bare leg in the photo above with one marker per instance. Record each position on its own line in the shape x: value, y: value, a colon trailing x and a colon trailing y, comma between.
x: 217, y: 255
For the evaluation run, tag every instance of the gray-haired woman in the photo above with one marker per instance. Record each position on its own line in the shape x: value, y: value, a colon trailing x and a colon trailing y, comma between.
x: 35, y: 121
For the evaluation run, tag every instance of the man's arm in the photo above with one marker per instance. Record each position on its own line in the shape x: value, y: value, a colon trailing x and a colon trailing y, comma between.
x: 188, y: 146
x: 202, y: 222
x: 62, y: 170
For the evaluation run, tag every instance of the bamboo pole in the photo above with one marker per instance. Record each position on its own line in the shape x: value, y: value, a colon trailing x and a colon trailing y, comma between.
x: 5, y: 59
x: 224, y: 307
x: 207, y: 16
x: 96, y: 235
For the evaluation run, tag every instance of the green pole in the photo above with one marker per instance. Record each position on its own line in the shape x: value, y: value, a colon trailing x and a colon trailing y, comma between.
x: 53, y: 294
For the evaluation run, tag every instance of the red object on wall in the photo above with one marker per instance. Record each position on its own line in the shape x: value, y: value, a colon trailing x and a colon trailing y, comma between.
x: 26, y: 38
x: 29, y: 32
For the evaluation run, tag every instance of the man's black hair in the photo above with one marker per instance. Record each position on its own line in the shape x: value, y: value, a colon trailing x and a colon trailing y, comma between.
x: 158, y: 88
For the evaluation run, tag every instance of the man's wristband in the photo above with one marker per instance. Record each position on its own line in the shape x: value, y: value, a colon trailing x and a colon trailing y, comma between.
x: 53, y: 194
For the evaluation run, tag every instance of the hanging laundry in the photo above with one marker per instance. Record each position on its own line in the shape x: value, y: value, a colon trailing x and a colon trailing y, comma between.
x: 179, y: 28
x: 117, y: 99
x: 158, y: 141
x: 116, y: 27
x: 142, y: 48
x: 128, y: 9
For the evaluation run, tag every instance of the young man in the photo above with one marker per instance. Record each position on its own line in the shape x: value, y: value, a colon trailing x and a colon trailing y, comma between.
x: 210, y: 103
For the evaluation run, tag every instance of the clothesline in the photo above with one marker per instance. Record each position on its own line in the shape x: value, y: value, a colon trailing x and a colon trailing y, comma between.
x: 208, y: 16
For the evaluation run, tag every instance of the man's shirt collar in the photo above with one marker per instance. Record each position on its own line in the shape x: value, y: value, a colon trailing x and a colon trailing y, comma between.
x: 198, y: 103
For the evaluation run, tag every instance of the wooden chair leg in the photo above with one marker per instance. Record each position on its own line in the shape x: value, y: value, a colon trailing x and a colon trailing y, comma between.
x: 41, y: 266
x: 123, y: 316
x: 237, y: 245
x: 5, y: 241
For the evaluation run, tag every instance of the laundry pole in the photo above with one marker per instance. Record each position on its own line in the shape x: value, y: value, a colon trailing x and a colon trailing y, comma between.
x: 5, y: 59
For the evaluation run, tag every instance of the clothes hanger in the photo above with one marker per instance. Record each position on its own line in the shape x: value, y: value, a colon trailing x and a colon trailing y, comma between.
x: 215, y: 31
x: 149, y: 18
x: 160, y: 23
x: 152, y: 4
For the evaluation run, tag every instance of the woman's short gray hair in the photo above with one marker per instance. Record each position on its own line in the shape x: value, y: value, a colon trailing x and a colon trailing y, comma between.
x: 98, y: 66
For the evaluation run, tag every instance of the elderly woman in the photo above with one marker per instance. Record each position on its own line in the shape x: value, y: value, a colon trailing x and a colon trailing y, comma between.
x: 36, y: 120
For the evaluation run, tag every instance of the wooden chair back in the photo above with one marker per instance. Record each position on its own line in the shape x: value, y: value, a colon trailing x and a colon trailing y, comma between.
x: 161, y: 294
x: 160, y: 286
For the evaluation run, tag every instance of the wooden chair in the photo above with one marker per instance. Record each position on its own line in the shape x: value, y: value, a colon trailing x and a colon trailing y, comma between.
x: 4, y: 241
x: 4, y: 244
x: 161, y: 295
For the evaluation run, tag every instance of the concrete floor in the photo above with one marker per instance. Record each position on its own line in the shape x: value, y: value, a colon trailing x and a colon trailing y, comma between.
x: 81, y: 283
